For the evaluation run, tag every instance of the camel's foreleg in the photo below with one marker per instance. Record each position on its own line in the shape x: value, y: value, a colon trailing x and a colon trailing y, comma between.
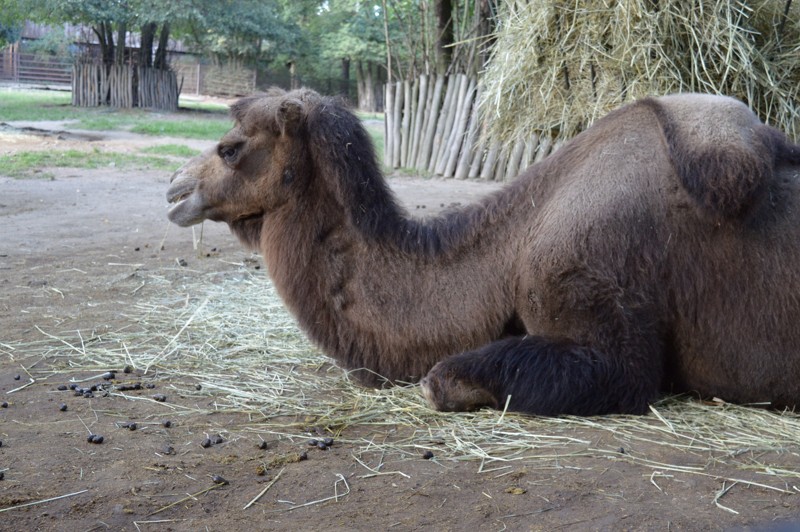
x: 546, y: 377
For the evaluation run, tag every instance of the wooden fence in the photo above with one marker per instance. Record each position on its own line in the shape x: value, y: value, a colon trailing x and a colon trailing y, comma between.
x: 217, y: 80
x: 124, y: 86
x: 432, y: 125
x: 157, y: 89
x: 22, y: 67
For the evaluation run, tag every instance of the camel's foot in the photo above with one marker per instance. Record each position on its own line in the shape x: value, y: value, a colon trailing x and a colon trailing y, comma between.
x: 447, y: 392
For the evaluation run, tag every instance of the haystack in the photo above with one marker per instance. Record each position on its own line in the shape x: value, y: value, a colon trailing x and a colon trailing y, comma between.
x: 559, y: 65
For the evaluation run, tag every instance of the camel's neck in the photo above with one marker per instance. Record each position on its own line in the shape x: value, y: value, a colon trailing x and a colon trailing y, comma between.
x: 392, y: 299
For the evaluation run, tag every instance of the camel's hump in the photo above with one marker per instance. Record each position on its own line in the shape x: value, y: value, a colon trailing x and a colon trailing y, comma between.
x: 722, y: 153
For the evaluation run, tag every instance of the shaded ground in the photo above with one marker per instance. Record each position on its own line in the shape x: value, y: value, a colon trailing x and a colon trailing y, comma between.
x: 78, y: 252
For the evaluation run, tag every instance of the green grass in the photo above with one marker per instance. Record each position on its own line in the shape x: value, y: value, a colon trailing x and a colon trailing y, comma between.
x: 205, y: 121
x: 199, y: 128
x: 28, y: 164
x: 37, y: 105
x: 174, y: 150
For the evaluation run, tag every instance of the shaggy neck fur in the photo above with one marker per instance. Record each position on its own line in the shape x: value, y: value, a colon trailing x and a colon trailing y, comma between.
x: 380, y: 292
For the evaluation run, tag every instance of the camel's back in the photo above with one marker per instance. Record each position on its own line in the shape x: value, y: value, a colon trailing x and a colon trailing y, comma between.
x: 717, y: 247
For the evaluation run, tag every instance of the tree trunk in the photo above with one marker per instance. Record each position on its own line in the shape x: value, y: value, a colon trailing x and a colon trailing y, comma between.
x: 146, y: 47
x: 108, y: 59
x: 444, y: 38
x: 344, y: 82
x: 160, y: 61
x: 106, y: 43
x: 366, y: 87
x: 292, y: 75
x: 119, y: 56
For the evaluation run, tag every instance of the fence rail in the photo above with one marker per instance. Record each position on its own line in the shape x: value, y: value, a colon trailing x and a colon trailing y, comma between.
x: 24, y: 67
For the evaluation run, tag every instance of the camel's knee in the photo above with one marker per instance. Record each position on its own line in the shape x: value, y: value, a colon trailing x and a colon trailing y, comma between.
x: 446, y: 391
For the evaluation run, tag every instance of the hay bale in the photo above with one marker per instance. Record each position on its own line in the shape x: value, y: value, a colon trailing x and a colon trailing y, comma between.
x: 557, y: 66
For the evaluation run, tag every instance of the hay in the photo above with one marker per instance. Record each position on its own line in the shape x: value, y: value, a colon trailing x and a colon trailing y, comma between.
x: 559, y: 65
x: 234, y: 337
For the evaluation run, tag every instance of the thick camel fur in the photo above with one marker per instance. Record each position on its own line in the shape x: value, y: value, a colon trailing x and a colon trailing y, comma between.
x: 657, y: 251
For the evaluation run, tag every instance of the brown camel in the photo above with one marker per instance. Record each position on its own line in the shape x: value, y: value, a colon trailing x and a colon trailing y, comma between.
x: 658, y: 250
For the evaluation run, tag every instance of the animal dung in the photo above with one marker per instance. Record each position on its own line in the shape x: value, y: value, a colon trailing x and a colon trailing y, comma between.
x: 168, y: 449
x: 4, y: 404
x: 166, y: 423
x: 427, y: 455
x: 107, y: 376
x: 206, y: 443
x: 130, y: 425
x: 63, y: 407
x: 149, y: 385
x: 219, y: 480
x: 95, y: 438
x: 129, y: 387
x: 159, y: 397
x: 320, y: 444
x: 17, y: 377
x: 62, y: 388
x: 262, y: 445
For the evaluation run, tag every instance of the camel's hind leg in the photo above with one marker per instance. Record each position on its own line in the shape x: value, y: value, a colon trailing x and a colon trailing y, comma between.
x: 545, y: 377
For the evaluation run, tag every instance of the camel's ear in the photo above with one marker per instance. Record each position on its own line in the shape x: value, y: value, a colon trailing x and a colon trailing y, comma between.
x: 290, y: 114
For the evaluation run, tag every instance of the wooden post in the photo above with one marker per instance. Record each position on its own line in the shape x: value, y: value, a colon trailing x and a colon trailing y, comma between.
x: 434, y: 114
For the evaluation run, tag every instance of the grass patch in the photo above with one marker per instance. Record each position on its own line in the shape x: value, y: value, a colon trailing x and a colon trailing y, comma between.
x: 174, y: 150
x: 206, y: 121
x: 28, y: 164
x: 37, y: 105
x: 201, y: 128
x: 206, y: 107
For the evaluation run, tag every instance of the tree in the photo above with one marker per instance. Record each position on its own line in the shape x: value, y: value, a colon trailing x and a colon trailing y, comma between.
x: 241, y: 32
x: 112, y: 22
x: 12, y: 17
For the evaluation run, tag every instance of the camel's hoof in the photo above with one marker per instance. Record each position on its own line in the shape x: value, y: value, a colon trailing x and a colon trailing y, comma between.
x: 449, y: 394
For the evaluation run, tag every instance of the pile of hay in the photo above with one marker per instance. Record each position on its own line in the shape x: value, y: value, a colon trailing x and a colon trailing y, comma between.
x: 233, y: 335
x: 559, y: 65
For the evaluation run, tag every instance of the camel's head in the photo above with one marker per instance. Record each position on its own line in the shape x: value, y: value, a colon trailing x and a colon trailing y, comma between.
x: 252, y: 169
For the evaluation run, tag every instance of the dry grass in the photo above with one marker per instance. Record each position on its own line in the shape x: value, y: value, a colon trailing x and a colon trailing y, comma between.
x: 559, y: 65
x: 234, y: 337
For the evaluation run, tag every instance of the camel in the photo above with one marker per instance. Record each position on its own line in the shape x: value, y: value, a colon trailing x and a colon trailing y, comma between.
x: 657, y: 251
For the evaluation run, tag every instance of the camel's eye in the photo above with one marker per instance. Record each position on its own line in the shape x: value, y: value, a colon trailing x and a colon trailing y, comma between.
x: 229, y: 153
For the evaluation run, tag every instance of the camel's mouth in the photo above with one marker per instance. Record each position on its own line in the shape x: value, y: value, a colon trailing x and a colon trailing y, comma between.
x: 187, y: 208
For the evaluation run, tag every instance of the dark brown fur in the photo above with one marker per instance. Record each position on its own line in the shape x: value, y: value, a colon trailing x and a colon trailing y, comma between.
x: 657, y: 250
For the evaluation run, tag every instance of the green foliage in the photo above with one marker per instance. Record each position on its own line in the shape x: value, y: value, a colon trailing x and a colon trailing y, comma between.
x: 241, y: 31
x: 350, y: 29
x: 12, y: 16
x: 53, y: 43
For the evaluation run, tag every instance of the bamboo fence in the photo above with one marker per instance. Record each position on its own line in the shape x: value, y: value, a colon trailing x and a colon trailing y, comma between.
x: 433, y: 126
x: 124, y: 86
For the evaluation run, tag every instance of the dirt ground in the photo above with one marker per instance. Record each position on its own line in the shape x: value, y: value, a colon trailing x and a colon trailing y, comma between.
x: 74, y: 255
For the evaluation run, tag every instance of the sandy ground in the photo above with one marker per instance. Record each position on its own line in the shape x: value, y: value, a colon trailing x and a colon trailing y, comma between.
x: 78, y: 251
